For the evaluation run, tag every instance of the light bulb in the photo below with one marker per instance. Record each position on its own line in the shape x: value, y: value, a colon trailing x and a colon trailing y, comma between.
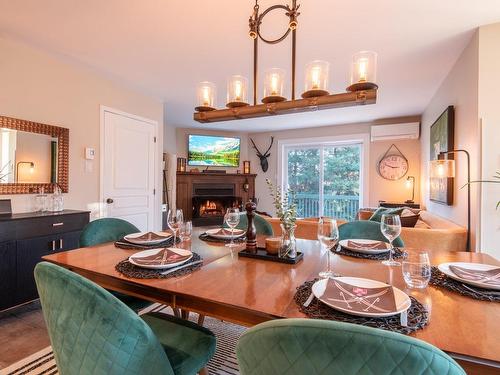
x: 315, y: 74
x: 363, y: 69
x: 237, y: 90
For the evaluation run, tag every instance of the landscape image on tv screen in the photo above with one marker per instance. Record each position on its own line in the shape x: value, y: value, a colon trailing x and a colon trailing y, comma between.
x: 205, y: 150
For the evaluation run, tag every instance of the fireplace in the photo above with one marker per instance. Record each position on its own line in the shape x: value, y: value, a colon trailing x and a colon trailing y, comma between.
x: 210, y: 202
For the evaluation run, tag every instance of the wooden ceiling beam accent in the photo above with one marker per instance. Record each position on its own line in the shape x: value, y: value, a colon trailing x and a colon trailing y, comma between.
x: 347, y: 99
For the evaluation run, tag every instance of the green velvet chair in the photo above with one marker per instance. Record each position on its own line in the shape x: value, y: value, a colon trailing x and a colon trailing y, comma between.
x: 109, y: 230
x: 92, y: 332
x: 321, y: 347
x: 366, y: 230
x: 261, y: 225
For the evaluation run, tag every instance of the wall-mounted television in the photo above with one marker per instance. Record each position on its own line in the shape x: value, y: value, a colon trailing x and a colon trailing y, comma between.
x: 208, y: 150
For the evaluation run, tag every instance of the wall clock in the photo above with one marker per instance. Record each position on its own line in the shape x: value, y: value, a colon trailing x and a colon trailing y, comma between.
x: 393, y: 166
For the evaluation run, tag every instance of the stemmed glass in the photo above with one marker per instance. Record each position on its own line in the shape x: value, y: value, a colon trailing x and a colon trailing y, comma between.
x: 232, y: 219
x: 390, y: 226
x: 328, y: 237
x: 175, y: 219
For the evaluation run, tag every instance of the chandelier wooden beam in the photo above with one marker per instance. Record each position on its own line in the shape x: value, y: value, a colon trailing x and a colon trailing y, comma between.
x: 341, y: 100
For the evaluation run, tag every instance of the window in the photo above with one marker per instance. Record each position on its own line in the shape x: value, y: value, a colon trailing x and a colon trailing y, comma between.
x: 325, y: 175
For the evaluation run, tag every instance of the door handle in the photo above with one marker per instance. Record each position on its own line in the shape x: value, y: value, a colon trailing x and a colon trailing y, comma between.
x: 109, y: 201
x: 57, y: 224
x: 60, y: 244
x: 53, y: 245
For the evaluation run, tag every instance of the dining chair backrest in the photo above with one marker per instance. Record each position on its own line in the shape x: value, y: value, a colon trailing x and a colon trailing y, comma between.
x: 91, y: 331
x: 262, y: 226
x: 105, y: 230
x: 314, y: 347
x: 366, y: 230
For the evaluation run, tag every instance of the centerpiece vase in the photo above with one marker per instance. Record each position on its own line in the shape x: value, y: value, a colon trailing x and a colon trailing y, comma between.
x: 288, y: 247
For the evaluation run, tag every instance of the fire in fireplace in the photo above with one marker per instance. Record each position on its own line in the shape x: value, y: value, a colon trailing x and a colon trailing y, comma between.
x: 210, y: 202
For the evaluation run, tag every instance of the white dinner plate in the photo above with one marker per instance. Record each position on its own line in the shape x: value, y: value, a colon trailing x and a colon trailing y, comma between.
x: 445, y: 268
x: 147, y: 253
x: 402, y: 300
x: 367, y: 249
x: 215, y: 233
x: 133, y: 238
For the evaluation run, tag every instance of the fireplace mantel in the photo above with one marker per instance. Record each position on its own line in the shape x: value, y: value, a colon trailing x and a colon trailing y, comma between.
x: 186, y: 181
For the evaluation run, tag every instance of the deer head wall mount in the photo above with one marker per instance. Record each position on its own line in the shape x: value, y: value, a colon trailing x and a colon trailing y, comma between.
x: 263, y: 156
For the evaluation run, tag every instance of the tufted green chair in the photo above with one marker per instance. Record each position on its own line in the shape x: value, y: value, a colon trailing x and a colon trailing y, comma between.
x: 366, y: 230
x: 261, y: 225
x: 109, y: 230
x: 92, y: 332
x: 321, y: 347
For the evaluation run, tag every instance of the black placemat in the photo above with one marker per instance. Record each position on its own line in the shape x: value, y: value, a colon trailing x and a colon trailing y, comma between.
x: 418, y: 316
x: 129, y: 270
x: 441, y: 280
x: 124, y: 244
x: 397, y: 254
x: 207, y: 238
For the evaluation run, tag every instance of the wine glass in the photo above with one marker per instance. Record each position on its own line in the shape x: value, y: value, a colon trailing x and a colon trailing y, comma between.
x: 232, y: 219
x: 174, y: 221
x: 390, y: 226
x: 186, y: 230
x: 328, y: 237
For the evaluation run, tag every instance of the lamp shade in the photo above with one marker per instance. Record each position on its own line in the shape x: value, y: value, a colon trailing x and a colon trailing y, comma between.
x: 205, y: 96
x: 363, y: 71
x: 442, y: 168
x: 316, y: 79
x: 237, y: 91
x: 273, y: 85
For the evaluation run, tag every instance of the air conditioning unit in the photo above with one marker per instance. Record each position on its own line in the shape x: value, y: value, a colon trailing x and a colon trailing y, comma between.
x: 410, y: 130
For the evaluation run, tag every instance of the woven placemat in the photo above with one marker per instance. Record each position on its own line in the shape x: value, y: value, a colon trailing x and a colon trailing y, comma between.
x: 124, y: 244
x: 441, y: 280
x: 418, y: 316
x: 129, y: 270
x: 205, y: 237
x: 397, y: 254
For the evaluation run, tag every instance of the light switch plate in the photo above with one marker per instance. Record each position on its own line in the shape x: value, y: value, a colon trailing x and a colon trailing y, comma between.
x: 89, y: 153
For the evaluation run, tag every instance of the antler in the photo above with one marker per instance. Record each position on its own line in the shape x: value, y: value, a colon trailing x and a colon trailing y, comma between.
x: 266, y: 154
x: 255, y: 147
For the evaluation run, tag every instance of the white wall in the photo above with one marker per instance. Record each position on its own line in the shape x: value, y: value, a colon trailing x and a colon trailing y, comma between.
x: 489, y: 112
x: 460, y: 89
x: 37, y: 86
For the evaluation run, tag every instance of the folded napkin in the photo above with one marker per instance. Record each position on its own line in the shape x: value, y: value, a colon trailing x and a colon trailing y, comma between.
x: 376, y: 245
x: 490, y: 277
x: 162, y: 257
x: 357, y: 299
x: 151, y: 236
x: 227, y: 232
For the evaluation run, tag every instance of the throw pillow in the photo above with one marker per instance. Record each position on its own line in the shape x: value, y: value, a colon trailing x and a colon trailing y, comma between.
x: 377, y: 215
x: 409, y: 221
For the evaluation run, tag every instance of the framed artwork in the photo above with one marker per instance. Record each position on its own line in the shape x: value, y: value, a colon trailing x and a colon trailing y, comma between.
x: 442, y: 140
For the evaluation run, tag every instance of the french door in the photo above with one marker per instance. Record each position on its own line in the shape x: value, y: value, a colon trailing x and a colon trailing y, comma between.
x: 325, y: 177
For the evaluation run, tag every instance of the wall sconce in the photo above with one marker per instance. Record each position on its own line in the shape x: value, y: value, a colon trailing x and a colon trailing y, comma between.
x: 181, y: 164
x: 206, y: 97
x: 246, y: 167
x: 363, y: 71
x: 237, y: 87
x: 246, y: 186
x: 410, y: 183
x: 316, y: 83
x: 273, y: 86
x: 31, y: 164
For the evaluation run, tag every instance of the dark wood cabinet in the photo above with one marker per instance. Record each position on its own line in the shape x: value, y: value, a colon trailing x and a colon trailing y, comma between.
x: 30, y: 237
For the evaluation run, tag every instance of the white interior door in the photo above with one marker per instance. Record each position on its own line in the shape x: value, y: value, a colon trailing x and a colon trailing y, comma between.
x: 128, y: 168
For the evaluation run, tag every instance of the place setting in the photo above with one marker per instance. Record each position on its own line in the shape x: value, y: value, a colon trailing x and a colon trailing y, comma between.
x: 231, y: 236
x: 476, y: 280
x: 159, y: 261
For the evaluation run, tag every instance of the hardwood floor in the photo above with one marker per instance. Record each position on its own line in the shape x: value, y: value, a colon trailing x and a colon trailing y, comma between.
x: 22, y: 333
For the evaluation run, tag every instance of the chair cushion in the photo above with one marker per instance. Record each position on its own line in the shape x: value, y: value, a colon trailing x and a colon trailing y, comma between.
x: 261, y: 225
x: 367, y: 230
x: 105, y: 230
x: 377, y: 215
x: 188, y: 346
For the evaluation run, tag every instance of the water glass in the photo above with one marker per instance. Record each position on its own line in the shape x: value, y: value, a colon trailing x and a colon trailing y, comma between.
x: 328, y: 237
x: 232, y: 219
x: 175, y: 219
x: 185, y: 230
x: 417, y: 269
x: 390, y: 226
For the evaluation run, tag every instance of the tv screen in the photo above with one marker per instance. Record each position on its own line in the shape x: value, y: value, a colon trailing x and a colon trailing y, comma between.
x: 206, y: 150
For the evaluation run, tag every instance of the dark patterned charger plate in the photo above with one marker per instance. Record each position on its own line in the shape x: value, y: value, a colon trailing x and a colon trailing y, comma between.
x: 124, y: 244
x: 397, y: 254
x: 439, y: 279
x: 207, y: 238
x: 418, y: 316
x: 129, y: 270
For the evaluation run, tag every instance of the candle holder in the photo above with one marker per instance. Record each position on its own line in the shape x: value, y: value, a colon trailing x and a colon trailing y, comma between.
x: 316, y: 82
x: 237, y: 87
x: 363, y: 71
x: 273, y: 86
x: 206, y: 97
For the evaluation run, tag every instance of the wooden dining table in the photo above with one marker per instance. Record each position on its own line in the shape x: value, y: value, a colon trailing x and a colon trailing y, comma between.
x: 250, y: 291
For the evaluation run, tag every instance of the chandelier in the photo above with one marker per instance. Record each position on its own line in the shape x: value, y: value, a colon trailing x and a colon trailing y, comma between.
x: 362, y: 90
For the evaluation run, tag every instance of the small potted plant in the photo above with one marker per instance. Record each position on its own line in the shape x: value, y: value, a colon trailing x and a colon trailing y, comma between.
x: 286, y: 210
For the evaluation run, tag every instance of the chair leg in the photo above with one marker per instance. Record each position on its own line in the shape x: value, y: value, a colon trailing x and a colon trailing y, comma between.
x: 177, y: 312
x: 201, y: 319
x: 203, y: 371
x: 185, y: 314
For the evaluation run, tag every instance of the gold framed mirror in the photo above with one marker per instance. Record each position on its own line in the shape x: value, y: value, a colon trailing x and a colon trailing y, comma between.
x: 32, y: 156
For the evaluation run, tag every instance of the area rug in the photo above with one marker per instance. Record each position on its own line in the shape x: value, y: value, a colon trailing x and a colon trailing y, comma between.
x: 223, y: 363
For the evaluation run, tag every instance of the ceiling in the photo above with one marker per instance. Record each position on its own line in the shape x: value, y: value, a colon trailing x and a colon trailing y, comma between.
x: 165, y: 47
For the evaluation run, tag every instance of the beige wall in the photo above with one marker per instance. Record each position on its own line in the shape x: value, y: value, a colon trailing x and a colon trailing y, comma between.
x: 489, y: 112
x: 39, y: 87
x: 460, y: 89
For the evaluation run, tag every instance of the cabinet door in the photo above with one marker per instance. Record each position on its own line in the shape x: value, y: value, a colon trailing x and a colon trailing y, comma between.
x: 30, y: 252
x: 7, y: 274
